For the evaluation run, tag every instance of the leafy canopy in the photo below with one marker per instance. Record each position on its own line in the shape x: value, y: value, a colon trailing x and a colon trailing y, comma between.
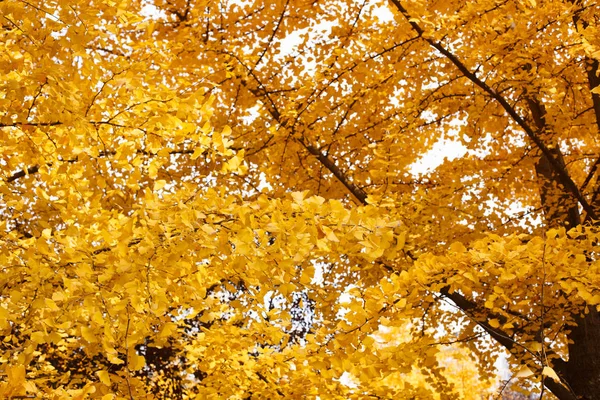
x: 216, y: 199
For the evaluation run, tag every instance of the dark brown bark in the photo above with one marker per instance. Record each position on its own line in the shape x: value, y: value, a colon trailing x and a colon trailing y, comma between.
x: 582, y: 371
x: 583, y: 367
x: 560, y: 209
x: 560, y: 200
x: 533, y: 134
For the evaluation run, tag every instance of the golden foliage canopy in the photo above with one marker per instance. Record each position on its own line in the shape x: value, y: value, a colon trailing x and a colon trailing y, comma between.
x: 247, y: 199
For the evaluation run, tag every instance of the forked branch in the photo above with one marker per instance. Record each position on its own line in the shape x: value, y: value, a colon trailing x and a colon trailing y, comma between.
x: 533, y: 136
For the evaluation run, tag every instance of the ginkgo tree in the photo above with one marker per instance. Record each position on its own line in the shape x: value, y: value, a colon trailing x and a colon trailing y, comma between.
x: 220, y: 199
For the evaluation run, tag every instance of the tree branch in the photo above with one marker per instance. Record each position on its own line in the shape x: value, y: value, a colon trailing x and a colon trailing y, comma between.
x: 558, y: 364
x: 561, y: 172
x: 335, y: 170
x: 35, y: 168
x: 22, y: 173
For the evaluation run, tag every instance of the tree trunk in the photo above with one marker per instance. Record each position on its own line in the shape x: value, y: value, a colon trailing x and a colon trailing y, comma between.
x: 582, y: 371
x: 583, y: 367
